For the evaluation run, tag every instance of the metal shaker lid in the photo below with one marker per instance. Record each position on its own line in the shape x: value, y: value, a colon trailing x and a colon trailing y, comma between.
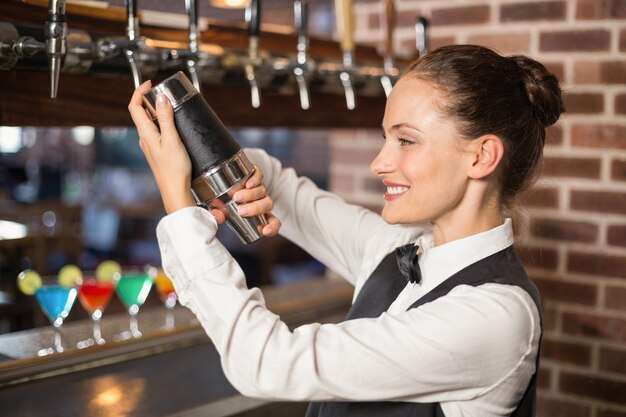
x: 176, y: 88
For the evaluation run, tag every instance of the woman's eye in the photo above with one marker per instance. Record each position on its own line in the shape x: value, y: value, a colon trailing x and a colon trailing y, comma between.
x: 405, y: 142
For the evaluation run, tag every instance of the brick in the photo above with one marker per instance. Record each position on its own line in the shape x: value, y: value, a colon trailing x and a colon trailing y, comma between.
x: 595, y: 326
x: 517, y: 43
x: 600, y: 9
x: 584, y: 103
x: 572, y: 167
x: 596, y: 264
x: 615, y: 298
x: 460, y: 15
x: 597, y: 387
x: 353, y: 156
x: 545, y: 258
x: 575, y: 40
x: 552, y: 407
x: 564, y: 230
x: 556, y: 68
x: 573, y: 353
x: 616, y: 235
x: 620, y: 103
x: 618, y: 170
x: 373, y: 21
x: 568, y: 292
x: 613, y: 72
x: 554, y: 135
x: 599, y: 136
x: 544, y: 378
x: 540, y: 197
x: 374, y: 185
x: 532, y: 11
x: 341, y: 183
x: 613, y: 360
x: 550, y: 318
x: 622, y: 40
x: 439, y: 41
x: 587, y: 72
x: 598, y: 201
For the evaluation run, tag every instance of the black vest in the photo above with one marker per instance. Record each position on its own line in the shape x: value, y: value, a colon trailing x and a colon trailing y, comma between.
x: 384, y: 286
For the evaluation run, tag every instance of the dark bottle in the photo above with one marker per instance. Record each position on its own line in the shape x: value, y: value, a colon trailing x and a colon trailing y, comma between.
x: 219, y: 165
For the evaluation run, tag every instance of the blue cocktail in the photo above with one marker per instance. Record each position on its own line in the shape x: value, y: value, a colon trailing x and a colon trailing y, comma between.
x: 55, y: 301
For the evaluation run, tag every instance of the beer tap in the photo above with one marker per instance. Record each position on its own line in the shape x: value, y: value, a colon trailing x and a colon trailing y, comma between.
x: 302, y: 65
x: 13, y: 46
x: 56, y: 34
x: 390, y: 71
x: 421, y: 36
x: 108, y: 48
x: 253, y: 19
x: 194, y: 42
x: 345, y: 27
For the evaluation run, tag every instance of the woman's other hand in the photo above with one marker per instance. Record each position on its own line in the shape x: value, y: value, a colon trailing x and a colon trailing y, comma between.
x: 253, y: 201
x: 166, y: 154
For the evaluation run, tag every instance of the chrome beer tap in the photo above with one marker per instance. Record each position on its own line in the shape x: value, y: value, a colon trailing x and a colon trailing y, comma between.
x: 421, y: 36
x: 13, y: 46
x: 56, y: 34
x: 390, y: 72
x: 344, y: 16
x: 194, y: 42
x: 302, y: 66
x: 132, y: 32
x: 253, y: 19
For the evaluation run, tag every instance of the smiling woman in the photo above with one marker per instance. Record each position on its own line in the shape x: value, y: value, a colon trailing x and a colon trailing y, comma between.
x: 445, y: 320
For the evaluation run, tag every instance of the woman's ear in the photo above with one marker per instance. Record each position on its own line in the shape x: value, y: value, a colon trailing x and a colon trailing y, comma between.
x: 488, y: 151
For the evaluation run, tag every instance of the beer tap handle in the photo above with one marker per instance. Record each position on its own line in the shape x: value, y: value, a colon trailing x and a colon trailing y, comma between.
x: 300, y: 8
x: 56, y: 34
x: 132, y: 32
x: 301, y: 21
x: 194, y: 39
x: 421, y: 35
x: 344, y: 18
x: 390, y: 23
x: 253, y: 19
x: 389, y: 11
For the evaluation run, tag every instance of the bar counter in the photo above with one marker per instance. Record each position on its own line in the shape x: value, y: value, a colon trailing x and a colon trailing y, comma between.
x: 174, y: 372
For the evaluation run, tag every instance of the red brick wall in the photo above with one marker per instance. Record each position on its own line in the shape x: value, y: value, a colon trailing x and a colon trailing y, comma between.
x: 575, y: 247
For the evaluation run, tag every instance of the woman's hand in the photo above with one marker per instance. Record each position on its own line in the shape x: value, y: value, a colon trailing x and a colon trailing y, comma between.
x: 166, y: 154
x: 253, y: 201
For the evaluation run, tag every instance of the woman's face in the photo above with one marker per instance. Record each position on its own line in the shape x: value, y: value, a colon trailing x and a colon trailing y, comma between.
x: 422, y: 162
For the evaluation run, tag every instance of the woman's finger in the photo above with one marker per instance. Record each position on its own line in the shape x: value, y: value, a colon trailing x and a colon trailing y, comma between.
x: 246, y: 195
x: 145, y: 126
x: 255, y: 179
x: 256, y: 208
x: 165, y: 115
x: 272, y: 227
x: 219, y: 216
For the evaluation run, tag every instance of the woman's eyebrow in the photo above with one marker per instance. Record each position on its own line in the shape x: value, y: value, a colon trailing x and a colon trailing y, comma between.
x: 406, y: 125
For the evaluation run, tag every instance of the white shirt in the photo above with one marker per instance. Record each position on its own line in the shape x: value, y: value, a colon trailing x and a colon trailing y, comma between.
x: 472, y: 350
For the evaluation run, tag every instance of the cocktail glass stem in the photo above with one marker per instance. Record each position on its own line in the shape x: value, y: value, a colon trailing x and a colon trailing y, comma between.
x: 134, y: 326
x: 57, y: 346
x: 170, y: 303
x: 95, y: 321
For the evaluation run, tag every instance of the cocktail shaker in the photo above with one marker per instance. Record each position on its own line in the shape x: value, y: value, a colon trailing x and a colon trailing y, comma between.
x: 219, y: 166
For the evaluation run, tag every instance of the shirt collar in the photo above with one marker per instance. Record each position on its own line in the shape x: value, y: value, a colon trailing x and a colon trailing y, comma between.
x: 437, y: 263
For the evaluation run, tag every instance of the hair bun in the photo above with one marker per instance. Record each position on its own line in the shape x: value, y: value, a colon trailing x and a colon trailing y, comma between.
x: 542, y: 88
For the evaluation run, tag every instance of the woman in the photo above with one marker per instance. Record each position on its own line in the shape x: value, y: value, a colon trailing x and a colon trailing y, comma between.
x: 463, y: 133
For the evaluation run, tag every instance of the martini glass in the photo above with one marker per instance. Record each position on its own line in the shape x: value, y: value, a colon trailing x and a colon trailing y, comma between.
x: 167, y: 293
x: 55, y: 301
x: 133, y: 288
x: 94, y: 295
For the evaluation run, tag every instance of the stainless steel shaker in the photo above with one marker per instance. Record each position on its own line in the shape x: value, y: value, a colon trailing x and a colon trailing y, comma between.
x: 219, y: 166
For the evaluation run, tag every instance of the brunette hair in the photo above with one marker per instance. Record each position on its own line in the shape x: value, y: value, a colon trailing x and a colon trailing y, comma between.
x: 514, y: 98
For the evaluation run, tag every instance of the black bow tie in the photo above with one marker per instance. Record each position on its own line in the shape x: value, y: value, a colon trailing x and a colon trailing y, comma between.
x: 406, y: 256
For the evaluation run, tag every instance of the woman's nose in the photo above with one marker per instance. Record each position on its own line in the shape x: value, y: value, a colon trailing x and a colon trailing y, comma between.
x: 382, y: 163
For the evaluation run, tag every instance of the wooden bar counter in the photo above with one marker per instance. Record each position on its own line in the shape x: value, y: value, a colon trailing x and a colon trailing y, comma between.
x: 164, y: 373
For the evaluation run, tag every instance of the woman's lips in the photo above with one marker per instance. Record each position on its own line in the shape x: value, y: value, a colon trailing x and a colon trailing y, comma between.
x: 394, y: 191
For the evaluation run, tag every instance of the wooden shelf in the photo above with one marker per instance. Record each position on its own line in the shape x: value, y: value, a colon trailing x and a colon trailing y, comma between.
x: 99, y: 100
